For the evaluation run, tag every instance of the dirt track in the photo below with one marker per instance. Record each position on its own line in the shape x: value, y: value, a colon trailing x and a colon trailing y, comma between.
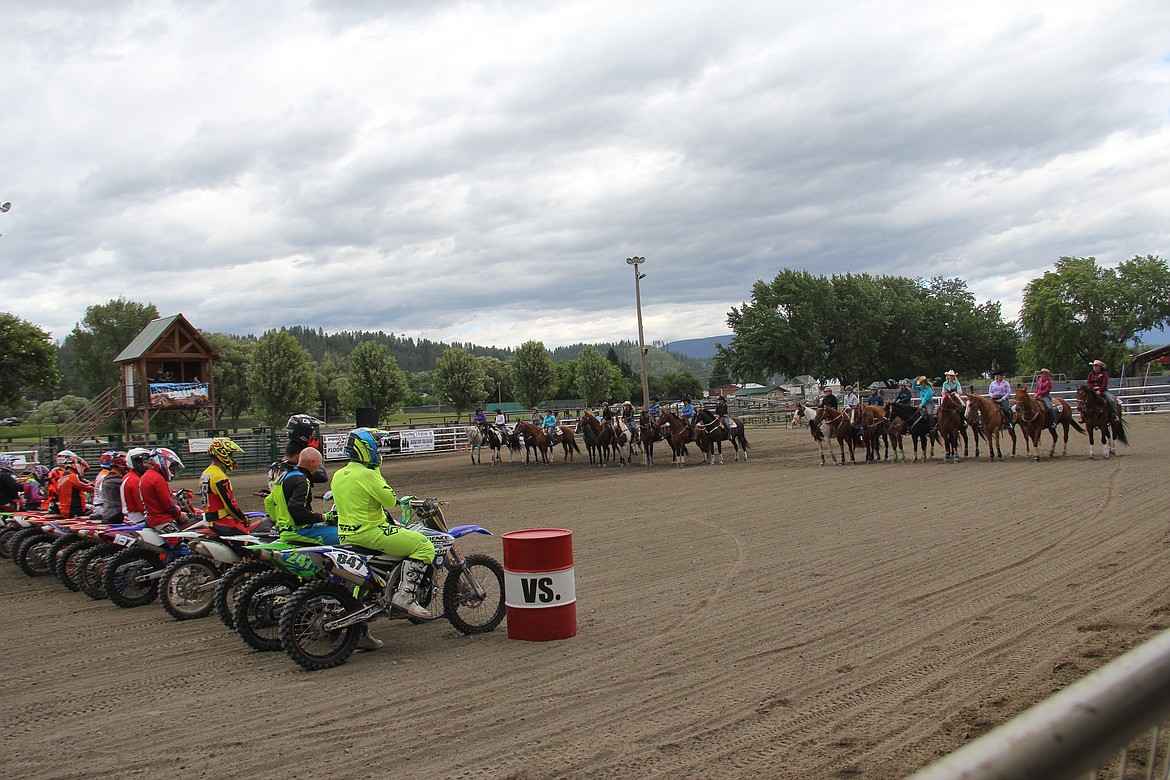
x: 769, y: 619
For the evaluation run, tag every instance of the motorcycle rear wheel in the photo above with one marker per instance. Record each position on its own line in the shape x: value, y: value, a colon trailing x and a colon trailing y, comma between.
x: 90, y: 568
x: 258, y: 608
x: 181, y: 587
x: 302, y: 634
x: 121, y: 578
x: 471, y: 615
x: 32, y: 555
x: 229, y: 588
x: 13, y: 540
x: 6, y: 537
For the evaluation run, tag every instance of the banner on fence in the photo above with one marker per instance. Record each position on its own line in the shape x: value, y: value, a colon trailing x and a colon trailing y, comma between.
x: 417, y: 441
x: 334, y: 444
x: 198, y: 445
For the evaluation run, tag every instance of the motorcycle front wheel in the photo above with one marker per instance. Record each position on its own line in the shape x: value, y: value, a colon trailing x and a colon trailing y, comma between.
x: 123, y: 578
x: 230, y: 584
x: 187, y: 587
x: 302, y: 626
x: 469, y: 613
x: 32, y: 556
x: 66, y: 567
x: 91, y: 569
x: 258, y: 608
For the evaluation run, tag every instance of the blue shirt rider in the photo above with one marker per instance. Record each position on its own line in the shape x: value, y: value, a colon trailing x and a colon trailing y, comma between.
x: 904, y: 395
x: 654, y: 409
x: 550, y: 426
x: 926, y: 398
x: 687, y: 412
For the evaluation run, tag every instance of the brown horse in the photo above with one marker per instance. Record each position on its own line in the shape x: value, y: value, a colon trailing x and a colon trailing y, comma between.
x: 1032, y: 417
x: 988, y: 419
x: 535, y: 438
x: 600, y: 438
x: 874, y: 429
x: 649, y: 433
x: 1098, y: 416
x: 839, y: 428
x: 678, y: 433
x: 950, y: 422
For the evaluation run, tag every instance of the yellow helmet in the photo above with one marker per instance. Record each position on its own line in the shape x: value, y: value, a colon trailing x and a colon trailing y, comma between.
x: 225, y: 450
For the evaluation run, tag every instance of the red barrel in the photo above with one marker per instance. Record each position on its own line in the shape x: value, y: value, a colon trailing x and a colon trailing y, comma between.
x: 540, y: 589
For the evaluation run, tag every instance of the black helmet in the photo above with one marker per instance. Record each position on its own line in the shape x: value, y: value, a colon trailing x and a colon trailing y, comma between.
x: 304, y: 430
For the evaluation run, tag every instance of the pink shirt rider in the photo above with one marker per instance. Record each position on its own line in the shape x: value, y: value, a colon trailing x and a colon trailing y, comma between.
x: 1043, y: 385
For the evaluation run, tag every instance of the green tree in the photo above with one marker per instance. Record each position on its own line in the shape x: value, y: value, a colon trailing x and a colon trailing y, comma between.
x: 375, y: 380
x: 681, y: 385
x: 28, y: 360
x: 1081, y: 311
x: 332, y: 376
x: 460, y: 379
x: 594, y: 376
x: 58, y: 411
x: 533, y: 376
x: 280, y: 378
x: 230, y: 373
x: 499, y: 380
x: 719, y: 373
x: 104, y: 331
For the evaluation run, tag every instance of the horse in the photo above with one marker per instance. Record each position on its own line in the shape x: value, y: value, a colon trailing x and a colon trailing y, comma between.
x: 1032, y: 418
x: 917, y: 424
x: 818, y: 428
x: 602, y: 438
x: 840, y: 428
x: 649, y: 433
x: 874, y: 429
x: 475, y: 441
x: 950, y: 422
x: 799, y: 417
x: 678, y: 433
x: 534, y: 439
x: 988, y: 419
x: 709, y: 431
x: 511, y: 440
x: 495, y: 442
x: 1098, y: 415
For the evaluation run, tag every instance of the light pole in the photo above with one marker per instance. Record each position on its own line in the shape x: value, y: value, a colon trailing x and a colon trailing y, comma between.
x: 635, y: 262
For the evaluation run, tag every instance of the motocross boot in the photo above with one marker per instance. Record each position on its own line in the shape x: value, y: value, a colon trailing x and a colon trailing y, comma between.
x: 367, y: 640
x: 406, y: 597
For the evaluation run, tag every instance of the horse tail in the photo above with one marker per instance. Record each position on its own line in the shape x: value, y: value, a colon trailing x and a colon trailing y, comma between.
x: 573, y: 441
x: 1075, y: 424
x: 1121, y: 431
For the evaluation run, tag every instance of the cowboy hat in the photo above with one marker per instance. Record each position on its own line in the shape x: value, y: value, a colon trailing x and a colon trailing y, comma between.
x: 627, y: 403
x: 1098, y: 363
x: 904, y: 382
x: 950, y: 373
x: 1045, y: 371
x: 921, y: 379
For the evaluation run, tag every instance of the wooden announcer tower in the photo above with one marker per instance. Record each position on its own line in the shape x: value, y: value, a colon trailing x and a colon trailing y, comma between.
x: 167, y: 367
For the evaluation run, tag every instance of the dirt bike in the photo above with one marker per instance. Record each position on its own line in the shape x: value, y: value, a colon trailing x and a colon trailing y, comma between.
x: 90, y: 564
x: 324, y: 619
x: 188, y: 584
x: 131, y: 578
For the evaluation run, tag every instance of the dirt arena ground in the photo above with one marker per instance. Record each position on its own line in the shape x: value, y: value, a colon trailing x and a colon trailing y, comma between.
x: 773, y: 619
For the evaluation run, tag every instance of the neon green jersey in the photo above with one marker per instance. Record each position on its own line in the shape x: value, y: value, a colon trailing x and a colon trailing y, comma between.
x: 359, y: 496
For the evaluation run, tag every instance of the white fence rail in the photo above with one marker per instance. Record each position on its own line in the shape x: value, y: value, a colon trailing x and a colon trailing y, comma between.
x: 1081, y: 729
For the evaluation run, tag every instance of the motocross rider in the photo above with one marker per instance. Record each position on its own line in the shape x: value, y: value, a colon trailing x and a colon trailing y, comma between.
x: 161, y: 512
x: 290, y: 504
x: 111, y: 507
x: 304, y: 430
x: 72, y: 488
x: 132, y: 507
x: 361, y: 496
x: 9, y: 488
x: 220, y: 509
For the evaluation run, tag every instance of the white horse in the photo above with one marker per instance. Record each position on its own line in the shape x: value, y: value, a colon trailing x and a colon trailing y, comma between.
x: 475, y: 441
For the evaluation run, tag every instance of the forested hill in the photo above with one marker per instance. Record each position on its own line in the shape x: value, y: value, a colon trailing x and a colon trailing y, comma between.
x: 418, y: 354
x: 411, y: 354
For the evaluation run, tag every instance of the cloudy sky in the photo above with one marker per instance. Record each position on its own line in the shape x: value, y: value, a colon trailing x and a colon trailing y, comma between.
x: 480, y: 171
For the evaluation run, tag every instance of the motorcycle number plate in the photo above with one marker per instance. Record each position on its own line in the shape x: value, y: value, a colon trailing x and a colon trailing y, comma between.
x: 123, y: 540
x: 354, y: 564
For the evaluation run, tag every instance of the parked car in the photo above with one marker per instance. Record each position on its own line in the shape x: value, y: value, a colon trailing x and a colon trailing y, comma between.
x: 10, y: 421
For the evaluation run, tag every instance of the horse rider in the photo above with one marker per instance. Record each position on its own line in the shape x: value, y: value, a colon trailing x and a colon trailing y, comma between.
x: 654, y: 409
x: 550, y: 426
x: 480, y: 421
x: 875, y: 397
x: 828, y: 400
x: 687, y: 412
x: 607, y: 420
x: 904, y: 396
x: 537, y: 417
x: 851, y: 403
x: 722, y: 413
x: 1098, y: 379
x: 501, y: 423
x: 630, y: 417
x: 1044, y: 393
x: 1000, y: 392
x: 951, y: 384
x: 926, y: 398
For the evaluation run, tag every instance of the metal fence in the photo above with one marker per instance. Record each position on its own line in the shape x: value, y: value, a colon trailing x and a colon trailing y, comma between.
x: 1107, y: 724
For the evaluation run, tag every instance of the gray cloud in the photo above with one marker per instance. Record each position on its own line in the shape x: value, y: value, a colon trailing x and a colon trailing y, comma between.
x: 479, y: 171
